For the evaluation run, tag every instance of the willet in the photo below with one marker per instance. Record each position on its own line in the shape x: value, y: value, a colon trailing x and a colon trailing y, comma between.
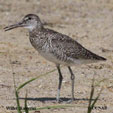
x: 56, y: 47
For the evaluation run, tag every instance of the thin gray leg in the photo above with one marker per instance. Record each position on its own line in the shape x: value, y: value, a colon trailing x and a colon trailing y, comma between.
x: 72, y: 79
x: 60, y: 83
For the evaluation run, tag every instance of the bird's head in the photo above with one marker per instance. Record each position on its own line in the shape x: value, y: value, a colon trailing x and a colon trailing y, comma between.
x: 30, y: 21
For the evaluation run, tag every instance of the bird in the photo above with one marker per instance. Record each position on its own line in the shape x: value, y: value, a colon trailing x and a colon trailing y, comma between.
x: 57, y: 48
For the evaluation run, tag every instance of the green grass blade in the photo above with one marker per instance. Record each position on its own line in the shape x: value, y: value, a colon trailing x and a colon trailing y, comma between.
x: 53, y: 107
x: 25, y: 106
x: 18, y: 103
x: 27, y: 82
x: 92, y: 92
x: 98, y: 83
x: 16, y: 92
x: 91, y: 96
x: 93, y: 104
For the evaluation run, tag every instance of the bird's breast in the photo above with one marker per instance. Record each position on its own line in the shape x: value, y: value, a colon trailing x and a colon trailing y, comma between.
x: 37, y: 42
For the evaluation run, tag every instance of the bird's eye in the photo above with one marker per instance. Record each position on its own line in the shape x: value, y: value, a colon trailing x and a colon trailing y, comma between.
x: 29, y: 18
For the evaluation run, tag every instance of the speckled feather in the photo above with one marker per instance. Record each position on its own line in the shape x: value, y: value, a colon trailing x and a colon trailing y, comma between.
x: 61, y: 47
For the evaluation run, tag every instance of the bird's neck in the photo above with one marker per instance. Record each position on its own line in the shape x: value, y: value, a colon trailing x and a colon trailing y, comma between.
x: 36, y: 28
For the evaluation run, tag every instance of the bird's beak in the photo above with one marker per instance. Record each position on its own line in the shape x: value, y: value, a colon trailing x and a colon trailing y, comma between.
x: 19, y: 24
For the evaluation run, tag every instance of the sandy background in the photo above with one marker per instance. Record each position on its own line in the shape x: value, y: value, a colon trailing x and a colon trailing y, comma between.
x: 90, y: 22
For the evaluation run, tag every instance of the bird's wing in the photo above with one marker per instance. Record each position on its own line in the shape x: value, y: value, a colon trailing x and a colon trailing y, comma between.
x: 64, y: 45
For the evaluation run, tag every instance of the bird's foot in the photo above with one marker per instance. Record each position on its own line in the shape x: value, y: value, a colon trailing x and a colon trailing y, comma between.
x: 59, y: 100
x: 70, y: 101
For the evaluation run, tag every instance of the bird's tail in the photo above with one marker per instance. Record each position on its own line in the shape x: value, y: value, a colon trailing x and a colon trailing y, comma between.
x: 100, y: 58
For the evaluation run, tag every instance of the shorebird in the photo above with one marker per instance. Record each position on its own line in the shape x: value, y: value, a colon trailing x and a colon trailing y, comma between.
x: 56, y: 47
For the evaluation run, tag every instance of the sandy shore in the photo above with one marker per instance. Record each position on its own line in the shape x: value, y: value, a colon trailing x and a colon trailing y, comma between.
x: 90, y: 22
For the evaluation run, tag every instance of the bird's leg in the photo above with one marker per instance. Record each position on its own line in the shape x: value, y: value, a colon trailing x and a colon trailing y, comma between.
x: 60, y: 83
x: 72, y: 80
